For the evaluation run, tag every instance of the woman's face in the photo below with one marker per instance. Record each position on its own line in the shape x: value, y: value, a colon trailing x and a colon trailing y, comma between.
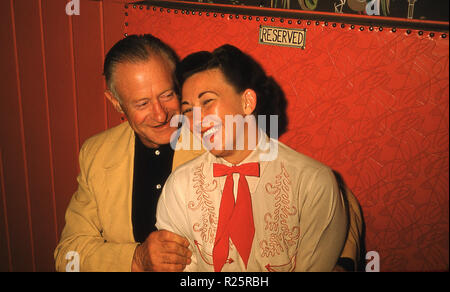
x: 207, y: 99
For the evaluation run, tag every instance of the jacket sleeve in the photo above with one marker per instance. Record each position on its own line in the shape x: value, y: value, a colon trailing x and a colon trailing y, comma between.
x: 352, y: 247
x: 323, y: 224
x: 174, y: 218
x: 82, y: 234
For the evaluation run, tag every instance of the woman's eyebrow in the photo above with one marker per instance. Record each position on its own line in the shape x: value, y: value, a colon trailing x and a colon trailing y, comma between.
x: 205, y: 92
x: 199, y: 96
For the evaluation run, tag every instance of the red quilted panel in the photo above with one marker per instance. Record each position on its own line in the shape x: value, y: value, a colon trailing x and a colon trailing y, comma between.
x: 370, y: 103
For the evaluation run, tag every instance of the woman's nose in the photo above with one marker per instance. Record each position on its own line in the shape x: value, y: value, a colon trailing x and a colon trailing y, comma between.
x: 197, y: 118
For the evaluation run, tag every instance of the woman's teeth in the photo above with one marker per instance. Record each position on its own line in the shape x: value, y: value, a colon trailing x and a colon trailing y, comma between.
x: 211, y: 131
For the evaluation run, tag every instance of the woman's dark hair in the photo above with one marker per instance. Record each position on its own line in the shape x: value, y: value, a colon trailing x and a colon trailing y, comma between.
x: 242, y: 72
x: 135, y: 49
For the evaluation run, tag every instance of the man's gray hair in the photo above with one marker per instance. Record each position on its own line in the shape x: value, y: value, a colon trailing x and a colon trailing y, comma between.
x: 135, y: 49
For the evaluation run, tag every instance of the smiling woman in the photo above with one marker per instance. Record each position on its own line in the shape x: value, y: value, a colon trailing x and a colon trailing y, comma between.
x: 216, y: 99
x: 214, y: 83
x: 235, y: 216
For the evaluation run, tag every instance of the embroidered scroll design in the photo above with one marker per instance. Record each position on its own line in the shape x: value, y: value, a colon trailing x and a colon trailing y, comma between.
x: 281, y: 235
x: 281, y: 268
x: 208, y: 257
x: 208, y: 221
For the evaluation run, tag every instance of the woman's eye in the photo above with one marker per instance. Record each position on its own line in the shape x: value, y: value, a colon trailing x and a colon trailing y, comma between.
x: 207, y: 101
x: 186, y: 111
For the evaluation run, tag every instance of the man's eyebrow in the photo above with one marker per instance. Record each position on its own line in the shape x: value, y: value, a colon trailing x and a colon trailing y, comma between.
x: 141, y: 100
x: 166, y: 91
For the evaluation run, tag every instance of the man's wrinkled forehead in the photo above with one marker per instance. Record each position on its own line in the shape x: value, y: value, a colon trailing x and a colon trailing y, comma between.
x: 159, y: 64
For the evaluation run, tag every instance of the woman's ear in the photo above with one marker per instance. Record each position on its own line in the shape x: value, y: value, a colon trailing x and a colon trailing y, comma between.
x: 249, y: 100
x: 116, y: 104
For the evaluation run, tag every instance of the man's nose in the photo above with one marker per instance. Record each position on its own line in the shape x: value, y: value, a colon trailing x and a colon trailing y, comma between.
x: 159, y: 112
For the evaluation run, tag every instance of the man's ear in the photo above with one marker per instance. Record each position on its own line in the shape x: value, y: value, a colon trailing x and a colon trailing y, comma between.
x: 116, y: 104
x: 249, y: 100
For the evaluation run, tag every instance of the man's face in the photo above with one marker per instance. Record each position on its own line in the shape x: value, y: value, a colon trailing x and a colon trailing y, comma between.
x: 148, y: 98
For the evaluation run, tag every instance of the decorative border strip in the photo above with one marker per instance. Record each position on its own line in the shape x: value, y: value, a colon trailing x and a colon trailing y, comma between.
x: 208, y: 11
x: 344, y: 19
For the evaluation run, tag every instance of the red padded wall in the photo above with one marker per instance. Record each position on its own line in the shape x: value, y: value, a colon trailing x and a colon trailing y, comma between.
x: 51, y: 101
x: 369, y: 102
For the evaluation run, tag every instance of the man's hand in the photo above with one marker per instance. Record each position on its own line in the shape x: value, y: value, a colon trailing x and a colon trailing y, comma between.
x: 162, y: 251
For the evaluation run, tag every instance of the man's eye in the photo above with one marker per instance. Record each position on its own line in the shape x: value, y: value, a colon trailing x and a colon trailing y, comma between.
x: 168, y: 96
x: 142, y: 104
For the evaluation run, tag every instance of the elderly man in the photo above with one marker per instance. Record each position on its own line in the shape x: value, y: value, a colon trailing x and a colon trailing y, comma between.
x: 123, y: 169
x: 110, y: 221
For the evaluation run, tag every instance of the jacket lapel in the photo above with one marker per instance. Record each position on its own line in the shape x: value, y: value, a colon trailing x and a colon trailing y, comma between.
x: 119, y: 162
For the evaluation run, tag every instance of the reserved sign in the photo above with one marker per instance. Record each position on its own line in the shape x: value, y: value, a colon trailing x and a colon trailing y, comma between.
x: 279, y: 36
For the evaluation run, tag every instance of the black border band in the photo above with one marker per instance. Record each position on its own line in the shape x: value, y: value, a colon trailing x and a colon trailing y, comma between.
x: 300, y: 14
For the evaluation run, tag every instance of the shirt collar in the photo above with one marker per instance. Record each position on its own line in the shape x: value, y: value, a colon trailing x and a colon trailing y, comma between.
x: 254, y: 156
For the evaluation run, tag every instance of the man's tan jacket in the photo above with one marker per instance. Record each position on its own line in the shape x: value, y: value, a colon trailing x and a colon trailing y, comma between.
x: 98, y: 219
